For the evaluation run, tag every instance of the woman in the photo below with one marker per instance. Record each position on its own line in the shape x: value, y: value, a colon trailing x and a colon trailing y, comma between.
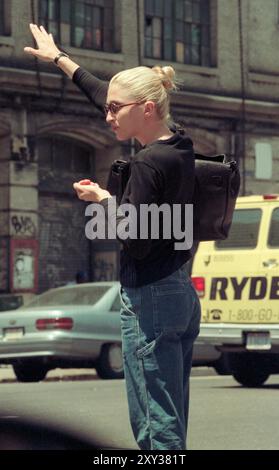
x: 160, y: 309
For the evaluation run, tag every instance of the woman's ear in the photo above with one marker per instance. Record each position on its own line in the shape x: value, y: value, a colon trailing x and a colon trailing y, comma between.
x: 149, y: 108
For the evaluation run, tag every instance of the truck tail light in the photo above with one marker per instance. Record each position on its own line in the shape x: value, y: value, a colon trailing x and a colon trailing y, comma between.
x: 63, y: 323
x: 267, y: 197
x: 199, y: 285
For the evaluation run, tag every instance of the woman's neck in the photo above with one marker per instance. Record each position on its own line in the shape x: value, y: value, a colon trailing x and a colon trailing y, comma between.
x: 154, y: 132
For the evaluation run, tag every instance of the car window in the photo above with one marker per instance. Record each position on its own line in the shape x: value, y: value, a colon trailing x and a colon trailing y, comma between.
x: 116, y: 304
x: 10, y: 302
x: 81, y: 295
x: 273, y: 236
x: 244, y: 230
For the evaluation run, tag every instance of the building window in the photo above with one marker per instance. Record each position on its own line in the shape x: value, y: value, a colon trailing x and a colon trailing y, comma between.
x: 263, y: 160
x: 58, y: 154
x: 5, y: 18
x: 87, y: 24
x: 178, y: 31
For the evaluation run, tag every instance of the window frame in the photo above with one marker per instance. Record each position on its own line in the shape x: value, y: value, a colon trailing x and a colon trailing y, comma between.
x: 5, y: 18
x: 243, y: 248
x: 106, y: 26
x: 54, y: 142
x: 272, y: 247
x: 206, y: 54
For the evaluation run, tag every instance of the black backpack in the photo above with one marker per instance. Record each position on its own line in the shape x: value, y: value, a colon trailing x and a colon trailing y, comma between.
x: 217, y: 184
x: 216, y: 188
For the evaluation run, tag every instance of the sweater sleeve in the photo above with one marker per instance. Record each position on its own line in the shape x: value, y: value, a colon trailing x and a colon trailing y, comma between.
x: 94, y: 88
x: 145, y: 189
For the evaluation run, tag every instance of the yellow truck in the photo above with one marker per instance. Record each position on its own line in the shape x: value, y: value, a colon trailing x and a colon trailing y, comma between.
x: 237, y: 280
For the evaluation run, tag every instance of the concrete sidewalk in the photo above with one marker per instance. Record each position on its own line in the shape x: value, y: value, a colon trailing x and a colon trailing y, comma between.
x: 7, y: 374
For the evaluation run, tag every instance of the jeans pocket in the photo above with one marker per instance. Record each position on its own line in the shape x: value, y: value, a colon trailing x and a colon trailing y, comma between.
x: 173, y: 307
x: 126, y: 303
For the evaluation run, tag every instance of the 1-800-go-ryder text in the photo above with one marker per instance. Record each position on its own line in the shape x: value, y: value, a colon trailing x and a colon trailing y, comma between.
x: 250, y: 315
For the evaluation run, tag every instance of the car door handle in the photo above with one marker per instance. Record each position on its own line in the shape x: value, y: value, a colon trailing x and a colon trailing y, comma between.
x: 270, y: 263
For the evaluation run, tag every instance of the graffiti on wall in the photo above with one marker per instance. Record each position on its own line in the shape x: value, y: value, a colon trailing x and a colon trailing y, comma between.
x: 23, y: 225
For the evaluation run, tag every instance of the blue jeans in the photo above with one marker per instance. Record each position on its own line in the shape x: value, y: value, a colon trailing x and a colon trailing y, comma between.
x: 160, y: 322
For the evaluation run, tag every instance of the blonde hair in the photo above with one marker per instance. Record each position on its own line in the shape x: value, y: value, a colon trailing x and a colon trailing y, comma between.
x: 144, y: 84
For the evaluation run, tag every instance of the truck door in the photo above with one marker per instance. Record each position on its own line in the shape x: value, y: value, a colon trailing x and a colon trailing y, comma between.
x: 229, y: 269
x: 268, y: 311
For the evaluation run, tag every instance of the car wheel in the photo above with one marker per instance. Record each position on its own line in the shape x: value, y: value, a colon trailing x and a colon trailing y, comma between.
x: 248, y: 369
x: 222, y: 365
x: 110, y: 362
x: 30, y: 371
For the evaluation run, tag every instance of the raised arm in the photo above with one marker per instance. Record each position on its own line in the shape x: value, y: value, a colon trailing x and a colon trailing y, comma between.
x: 94, y: 88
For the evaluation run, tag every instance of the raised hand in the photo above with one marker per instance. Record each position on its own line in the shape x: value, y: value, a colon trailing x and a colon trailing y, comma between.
x: 47, y: 49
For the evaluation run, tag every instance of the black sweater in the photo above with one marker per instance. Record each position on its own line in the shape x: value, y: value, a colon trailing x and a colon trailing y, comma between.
x: 161, y: 172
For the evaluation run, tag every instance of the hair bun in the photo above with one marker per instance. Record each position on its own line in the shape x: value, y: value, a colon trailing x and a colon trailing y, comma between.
x: 167, y: 75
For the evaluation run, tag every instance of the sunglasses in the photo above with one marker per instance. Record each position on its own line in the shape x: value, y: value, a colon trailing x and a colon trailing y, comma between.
x: 113, y: 108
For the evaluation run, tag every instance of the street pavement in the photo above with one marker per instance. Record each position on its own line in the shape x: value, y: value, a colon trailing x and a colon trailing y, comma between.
x: 223, y: 415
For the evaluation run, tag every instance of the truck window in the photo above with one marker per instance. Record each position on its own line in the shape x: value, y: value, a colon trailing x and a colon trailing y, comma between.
x: 244, y: 230
x: 273, y: 236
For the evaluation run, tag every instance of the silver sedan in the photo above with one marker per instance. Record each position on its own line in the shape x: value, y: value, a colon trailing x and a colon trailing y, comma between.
x: 71, y: 326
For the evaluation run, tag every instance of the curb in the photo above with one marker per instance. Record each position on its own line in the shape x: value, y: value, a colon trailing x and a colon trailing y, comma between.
x: 7, y: 375
x: 63, y: 375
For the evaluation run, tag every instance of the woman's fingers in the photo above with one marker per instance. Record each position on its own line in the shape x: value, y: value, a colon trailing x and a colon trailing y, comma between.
x: 35, y: 31
x: 30, y: 50
x: 32, y: 31
x: 78, y: 190
x: 42, y: 29
x: 40, y: 35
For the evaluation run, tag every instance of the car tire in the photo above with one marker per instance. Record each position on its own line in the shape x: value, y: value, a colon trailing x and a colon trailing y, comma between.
x: 30, y: 371
x: 110, y: 363
x: 222, y: 365
x: 249, y: 370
